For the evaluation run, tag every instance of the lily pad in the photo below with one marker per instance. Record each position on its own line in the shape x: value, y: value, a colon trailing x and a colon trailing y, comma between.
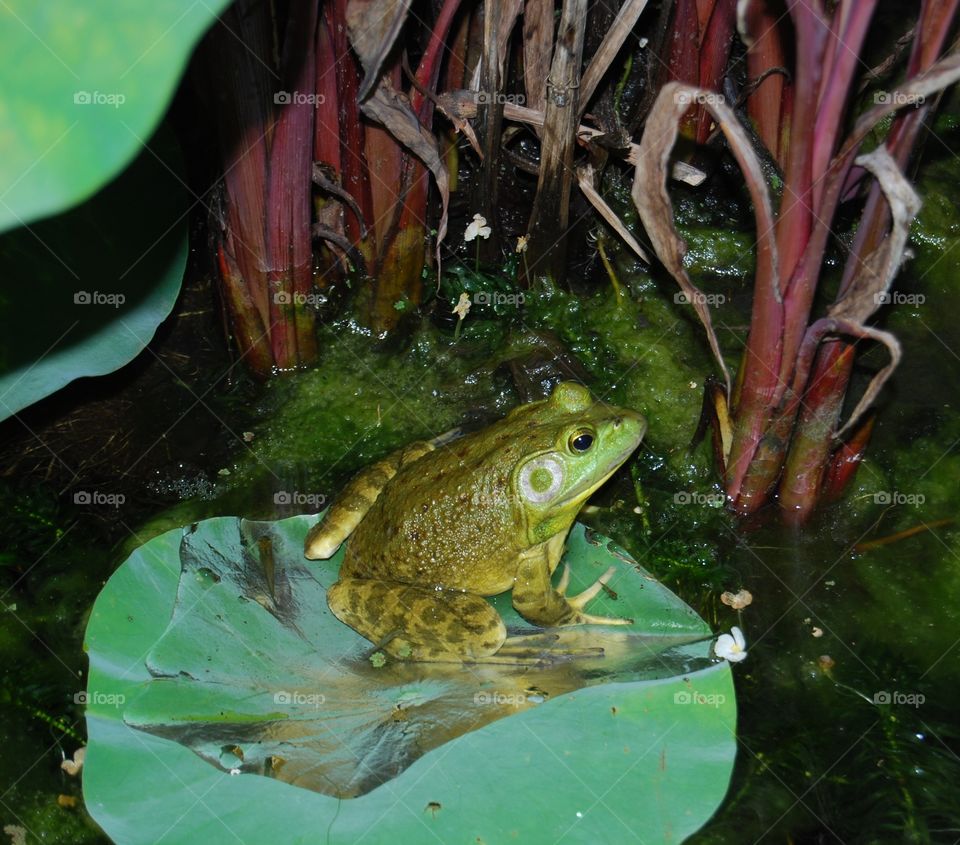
x: 86, y: 290
x: 82, y: 88
x: 213, y: 653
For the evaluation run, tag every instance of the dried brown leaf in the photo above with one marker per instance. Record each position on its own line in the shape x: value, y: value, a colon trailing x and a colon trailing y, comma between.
x: 612, y: 42
x: 585, y: 177
x: 373, y: 26
x: 537, y: 51
x: 868, y: 289
x: 461, y: 106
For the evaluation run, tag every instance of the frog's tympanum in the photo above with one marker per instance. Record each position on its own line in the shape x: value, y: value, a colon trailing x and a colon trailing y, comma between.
x: 436, y: 526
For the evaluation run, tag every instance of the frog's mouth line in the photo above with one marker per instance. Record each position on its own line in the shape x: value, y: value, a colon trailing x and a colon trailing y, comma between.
x: 580, y: 495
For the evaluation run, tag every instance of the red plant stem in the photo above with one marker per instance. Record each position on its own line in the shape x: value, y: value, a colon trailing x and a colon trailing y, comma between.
x: 806, y: 463
x: 326, y: 133
x: 454, y: 76
x: 385, y: 160
x: 237, y: 84
x: 355, y: 173
x: 289, y: 236
x: 844, y: 43
x: 775, y: 329
x: 428, y: 71
x: 718, y: 31
x: 808, y: 459
x: 683, y: 47
x: 844, y: 462
x: 682, y: 55
x: 248, y: 330
x: 768, y: 105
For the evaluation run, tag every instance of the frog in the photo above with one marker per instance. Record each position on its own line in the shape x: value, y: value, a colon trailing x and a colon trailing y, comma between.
x: 438, y: 526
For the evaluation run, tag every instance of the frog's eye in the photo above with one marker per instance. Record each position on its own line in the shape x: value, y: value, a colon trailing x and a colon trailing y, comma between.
x: 581, y: 441
x: 541, y: 479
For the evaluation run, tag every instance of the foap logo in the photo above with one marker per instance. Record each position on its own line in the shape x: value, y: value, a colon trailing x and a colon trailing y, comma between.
x: 296, y: 698
x: 912, y: 699
x: 896, y: 297
x: 486, y: 698
x: 895, y: 497
x: 698, y: 98
x: 711, y: 500
x: 898, y: 98
x: 485, y: 98
x: 97, y: 498
x: 698, y: 297
x: 98, y: 98
x: 714, y: 699
x: 93, y: 698
x: 314, y: 300
x: 296, y: 497
x: 298, y: 98
x: 495, y: 298
x: 96, y: 297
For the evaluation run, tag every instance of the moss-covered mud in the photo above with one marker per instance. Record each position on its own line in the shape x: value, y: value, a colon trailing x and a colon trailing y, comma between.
x: 847, y: 719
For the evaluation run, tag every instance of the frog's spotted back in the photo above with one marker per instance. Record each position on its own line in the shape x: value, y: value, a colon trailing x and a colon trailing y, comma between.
x: 356, y: 499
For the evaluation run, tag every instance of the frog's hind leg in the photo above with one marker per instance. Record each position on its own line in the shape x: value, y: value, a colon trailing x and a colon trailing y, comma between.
x: 417, y: 623
x: 324, y: 538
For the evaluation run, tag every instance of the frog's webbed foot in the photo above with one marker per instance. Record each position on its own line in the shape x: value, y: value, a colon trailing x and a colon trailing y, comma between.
x: 579, y: 601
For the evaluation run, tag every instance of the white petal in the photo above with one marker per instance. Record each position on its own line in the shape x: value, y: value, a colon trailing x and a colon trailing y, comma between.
x: 723, y: 646
x: 732, y: 648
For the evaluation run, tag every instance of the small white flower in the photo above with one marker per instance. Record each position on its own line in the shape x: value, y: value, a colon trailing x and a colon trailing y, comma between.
x: 478, y: 227
x: 732, y: 648
x: 522, y: 242
x: 73, y: 767
x: 462, y: 308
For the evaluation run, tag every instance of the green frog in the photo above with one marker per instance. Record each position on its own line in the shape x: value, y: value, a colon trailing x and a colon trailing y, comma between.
x: 438, y: 525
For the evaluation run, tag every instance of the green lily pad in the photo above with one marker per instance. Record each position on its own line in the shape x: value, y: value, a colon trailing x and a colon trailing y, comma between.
x: 86, y: 290
x: 82, y: 88
x: 219, y: 677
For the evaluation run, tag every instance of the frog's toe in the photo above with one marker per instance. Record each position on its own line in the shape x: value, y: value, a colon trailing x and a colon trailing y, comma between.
x: 590, y: 619
x: 580, y: 600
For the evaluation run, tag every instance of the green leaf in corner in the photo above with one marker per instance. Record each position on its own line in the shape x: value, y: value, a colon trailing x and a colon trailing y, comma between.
x: 83, y: 86
x: 85, y: 291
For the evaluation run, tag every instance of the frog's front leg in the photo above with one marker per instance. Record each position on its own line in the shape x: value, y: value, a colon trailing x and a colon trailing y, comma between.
x: 536, y: 599
x: 357, y: 497
x: 418, y: 623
